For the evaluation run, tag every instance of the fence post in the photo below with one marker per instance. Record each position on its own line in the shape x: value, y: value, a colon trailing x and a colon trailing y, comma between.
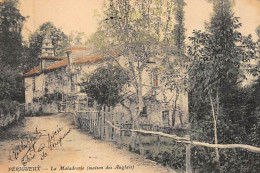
x: 102, y: 123
x: 188, y: 157
x: 113, y: 122
x: 91, y: 117
x: 141, y: 148
x: 96, y: 125
x: 107, y: 132
x: 120, y: 137
x: 90, y: 123
x: 75, y: 117
x: 119, y: 126
x: 113, y: 130
x: 159, y: 143
x: 120, y: 132
x: 93, y: 124
x: 99, y: 125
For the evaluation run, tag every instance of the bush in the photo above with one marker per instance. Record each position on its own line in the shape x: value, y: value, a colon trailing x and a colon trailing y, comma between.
x: 8, y: 107
x: 237, y: 124
x: 106, y: 85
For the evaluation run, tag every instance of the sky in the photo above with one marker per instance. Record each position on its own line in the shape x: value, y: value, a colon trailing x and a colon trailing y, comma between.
x: 78, y: 15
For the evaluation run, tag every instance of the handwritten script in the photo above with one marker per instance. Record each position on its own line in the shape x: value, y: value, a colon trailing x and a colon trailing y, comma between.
x: 37, y: 146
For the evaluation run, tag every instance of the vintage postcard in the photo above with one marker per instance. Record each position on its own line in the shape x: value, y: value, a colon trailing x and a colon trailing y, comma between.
x: 130, y: 86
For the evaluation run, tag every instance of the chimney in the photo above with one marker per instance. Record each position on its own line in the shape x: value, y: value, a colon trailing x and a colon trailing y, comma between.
x: 77, y: 41
x: 42, y: 64
x: 70, y: 59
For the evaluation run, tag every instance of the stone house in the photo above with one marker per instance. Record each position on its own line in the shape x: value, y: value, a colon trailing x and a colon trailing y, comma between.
x: 53, y: 86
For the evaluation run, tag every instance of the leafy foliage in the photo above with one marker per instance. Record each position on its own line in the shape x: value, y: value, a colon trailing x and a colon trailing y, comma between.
x: 59, y: 39
x: 8, y: 107
x: 11, y: 52
x: 106, y: 85
x: 99, y: 41
x: 11, y: 22
x: 179, y: 30
x: 142, y: 31
x: 216, y: 72
x: 11, y: 84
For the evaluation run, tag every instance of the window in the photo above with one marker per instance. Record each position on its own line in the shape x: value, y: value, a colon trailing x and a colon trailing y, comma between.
x: 165, y: 118
x: 144, y: 112
x: 33, y: 84
x: 155, y: 79
x: 154, y: 83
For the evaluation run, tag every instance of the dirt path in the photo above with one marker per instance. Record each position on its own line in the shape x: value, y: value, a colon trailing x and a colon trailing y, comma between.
x: 65, y: 147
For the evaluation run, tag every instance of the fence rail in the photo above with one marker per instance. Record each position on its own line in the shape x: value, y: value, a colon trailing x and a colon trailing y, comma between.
x: 105, y: 125
x: 188, y: 141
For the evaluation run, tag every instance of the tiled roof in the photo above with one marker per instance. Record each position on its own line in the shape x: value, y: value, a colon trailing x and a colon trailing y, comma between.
x: 89, y: 59
x: 76, y: 48
x: 34, y: 71
x: 63, y: 63
x: 57, y: 65
x: 93, y: 58
x: 52, y: 57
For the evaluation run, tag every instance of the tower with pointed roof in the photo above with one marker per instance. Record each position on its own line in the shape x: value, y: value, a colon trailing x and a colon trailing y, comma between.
x: 47, y: 47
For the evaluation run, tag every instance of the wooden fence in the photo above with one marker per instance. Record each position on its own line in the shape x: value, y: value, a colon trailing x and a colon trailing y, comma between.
x: 147, y: 138
x: 106, y: 125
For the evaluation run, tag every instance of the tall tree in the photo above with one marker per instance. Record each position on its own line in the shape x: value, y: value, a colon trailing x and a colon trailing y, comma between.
x: 256, y: 71
x: 173, y: 71
x: 179, y: 29
x: 143, y: 31
x: 11, y: 22
x: 11, y: 84
x: 216, y: 60
x: 12, y: 52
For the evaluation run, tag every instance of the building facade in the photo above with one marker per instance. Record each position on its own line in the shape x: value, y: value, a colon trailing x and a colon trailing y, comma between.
x: 53, y: 86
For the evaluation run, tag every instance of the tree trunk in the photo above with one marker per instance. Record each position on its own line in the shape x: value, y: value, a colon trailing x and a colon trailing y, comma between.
x: 140, y: 93
x: 215, y: 126
x: 175, y: 107
x: 217, y: 100
x: 140, y: 109
x: 188, y: 158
